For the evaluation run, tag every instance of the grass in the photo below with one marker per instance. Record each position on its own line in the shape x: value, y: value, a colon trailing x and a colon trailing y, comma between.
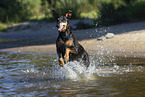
x: 2, y: 26
x: 4, y: 40
x: 91, y: 15
x: 6, y: 27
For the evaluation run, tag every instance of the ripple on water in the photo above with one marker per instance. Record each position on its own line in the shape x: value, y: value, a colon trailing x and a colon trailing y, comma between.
x: 29, y: 74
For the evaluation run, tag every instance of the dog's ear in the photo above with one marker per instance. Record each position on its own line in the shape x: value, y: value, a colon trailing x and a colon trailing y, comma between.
x: 56, y: 16
x: 69, y: 14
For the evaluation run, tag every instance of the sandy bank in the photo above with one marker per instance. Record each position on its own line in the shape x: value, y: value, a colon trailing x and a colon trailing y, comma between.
x: 129, y: 41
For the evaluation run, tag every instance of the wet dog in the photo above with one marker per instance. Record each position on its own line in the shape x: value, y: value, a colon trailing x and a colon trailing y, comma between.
x: 68, y: 48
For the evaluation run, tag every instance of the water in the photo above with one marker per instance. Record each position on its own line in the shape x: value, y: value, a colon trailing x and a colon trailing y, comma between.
x: 38, y: 74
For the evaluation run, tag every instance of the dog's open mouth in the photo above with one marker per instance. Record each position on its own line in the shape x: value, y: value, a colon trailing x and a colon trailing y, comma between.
x: 60, y: 29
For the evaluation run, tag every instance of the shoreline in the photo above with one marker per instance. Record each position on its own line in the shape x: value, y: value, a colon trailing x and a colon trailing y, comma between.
x: 129, y: 43
x: 129, y: 40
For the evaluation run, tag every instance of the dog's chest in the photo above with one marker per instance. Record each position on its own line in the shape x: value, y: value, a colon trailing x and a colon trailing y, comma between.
x: 67, y: 43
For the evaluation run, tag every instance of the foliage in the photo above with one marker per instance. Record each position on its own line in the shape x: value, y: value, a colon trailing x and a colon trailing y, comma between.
x: 112, y: 12
x: 92, y: 14
x: 19, y: 10
x: 137, y: 9
x: 105, y: 12
x: 30, y: 8
x: 119, y: 11
x: 2, y: 26
x: 9, y: 10
x: 73, y: 5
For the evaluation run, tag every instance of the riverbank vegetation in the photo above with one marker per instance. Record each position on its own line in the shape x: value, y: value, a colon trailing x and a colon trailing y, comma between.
x: 104, y: 12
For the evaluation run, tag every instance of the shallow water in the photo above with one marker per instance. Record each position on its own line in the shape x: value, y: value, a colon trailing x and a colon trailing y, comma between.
x: 38, y: 74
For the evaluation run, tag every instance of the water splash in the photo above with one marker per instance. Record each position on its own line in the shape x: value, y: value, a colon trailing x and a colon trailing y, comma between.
x: 47, y: 67
x: 76, y: 71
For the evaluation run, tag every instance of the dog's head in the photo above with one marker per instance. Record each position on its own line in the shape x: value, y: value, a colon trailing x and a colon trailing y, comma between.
x: 62, y: 21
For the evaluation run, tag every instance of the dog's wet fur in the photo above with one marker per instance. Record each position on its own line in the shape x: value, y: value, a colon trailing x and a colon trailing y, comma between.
x: 68, y: 48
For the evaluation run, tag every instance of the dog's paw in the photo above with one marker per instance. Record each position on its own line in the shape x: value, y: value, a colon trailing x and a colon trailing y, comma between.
x: 66, y: 59
x: 61, y: 63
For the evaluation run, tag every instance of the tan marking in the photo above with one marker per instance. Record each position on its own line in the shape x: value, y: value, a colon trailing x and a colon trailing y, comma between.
x: 68, y: 15
x: 61, y: 63
x: 64, y: 29
x: 69, y: 43
x: 66, y: 56
x: 73, y: 51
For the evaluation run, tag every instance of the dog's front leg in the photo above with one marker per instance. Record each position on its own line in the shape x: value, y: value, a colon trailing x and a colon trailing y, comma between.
x: 66, y: 56
x: 60, y: 59
x: 60, y: 50
x: 61, y: 62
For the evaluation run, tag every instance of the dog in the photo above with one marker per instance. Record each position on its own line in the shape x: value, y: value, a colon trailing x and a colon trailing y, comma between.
x: 67, y: 46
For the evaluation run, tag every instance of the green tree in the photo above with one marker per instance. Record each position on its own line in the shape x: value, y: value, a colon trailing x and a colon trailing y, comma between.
x: 9, y: 10
x: 44, y: 8
x: 30, y: 8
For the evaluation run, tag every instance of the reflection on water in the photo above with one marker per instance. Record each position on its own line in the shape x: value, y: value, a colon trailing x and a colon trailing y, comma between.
x: 38, y: 74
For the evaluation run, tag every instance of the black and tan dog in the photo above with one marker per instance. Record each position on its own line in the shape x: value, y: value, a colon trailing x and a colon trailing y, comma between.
x: 68, y: 48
